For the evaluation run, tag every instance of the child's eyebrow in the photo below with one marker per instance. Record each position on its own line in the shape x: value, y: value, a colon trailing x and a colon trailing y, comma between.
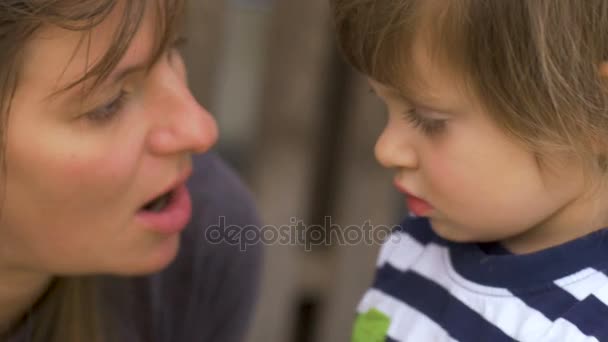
x: 425, y: 96
x: 412, y: 96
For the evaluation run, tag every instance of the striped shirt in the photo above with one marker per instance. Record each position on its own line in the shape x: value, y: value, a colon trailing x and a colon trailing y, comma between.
x: 430, y: 289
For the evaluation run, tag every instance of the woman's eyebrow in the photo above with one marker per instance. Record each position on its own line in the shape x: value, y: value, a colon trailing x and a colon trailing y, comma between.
x: 118, y: 75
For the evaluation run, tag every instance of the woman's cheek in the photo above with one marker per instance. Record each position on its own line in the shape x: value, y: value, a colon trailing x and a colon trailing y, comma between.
x: 97, y: 177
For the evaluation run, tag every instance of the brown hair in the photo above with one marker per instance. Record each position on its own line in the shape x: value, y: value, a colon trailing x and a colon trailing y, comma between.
x: 533, y: 65
x: 70, y: 311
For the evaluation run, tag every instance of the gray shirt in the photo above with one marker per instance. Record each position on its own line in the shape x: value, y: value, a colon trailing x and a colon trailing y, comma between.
x: 208, y: 292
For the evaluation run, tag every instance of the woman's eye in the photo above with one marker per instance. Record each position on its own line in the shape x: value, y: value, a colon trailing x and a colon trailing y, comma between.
x: 107, y: 111
x: 428, y: 126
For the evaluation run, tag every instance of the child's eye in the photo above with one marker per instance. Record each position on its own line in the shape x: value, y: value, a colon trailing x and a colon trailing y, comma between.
x: 428, y: 126
x: 108, y: 111
x: 176, y: 47
x: 179, y: 42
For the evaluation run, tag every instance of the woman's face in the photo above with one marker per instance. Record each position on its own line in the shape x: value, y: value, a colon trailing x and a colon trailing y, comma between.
x: 80, y: 169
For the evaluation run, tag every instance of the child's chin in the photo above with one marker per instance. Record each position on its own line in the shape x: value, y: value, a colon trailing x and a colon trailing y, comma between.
x: 450, y: 233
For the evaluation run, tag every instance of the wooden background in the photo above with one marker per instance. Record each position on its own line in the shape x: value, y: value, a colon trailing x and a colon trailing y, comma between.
x: 299, y: 126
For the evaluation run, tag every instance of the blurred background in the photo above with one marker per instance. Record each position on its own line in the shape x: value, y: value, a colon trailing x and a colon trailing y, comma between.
x: 299, y: 126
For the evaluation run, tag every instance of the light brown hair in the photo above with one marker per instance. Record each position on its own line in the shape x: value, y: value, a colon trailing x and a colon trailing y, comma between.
x: 533, y: 64
x: 70, y: 311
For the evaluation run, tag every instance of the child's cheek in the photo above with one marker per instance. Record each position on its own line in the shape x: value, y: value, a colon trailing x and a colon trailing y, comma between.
x: 439, y: 171
x: 449, y: 180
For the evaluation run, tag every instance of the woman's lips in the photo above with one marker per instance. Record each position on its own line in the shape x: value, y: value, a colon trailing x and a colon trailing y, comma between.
x: 171, y: 219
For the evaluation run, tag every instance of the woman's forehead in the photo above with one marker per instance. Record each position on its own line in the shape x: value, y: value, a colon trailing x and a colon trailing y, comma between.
x: 56, y: 57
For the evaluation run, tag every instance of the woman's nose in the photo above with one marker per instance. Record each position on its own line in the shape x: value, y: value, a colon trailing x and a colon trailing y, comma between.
x: 185, y: 126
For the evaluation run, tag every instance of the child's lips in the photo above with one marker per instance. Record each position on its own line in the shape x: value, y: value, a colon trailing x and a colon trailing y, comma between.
x: 415, y: 204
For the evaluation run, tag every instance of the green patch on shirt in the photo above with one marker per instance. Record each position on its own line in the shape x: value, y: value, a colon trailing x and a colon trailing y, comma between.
x: 371, y: 326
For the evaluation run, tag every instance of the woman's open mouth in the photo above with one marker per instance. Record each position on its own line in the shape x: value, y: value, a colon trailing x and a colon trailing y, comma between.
x: 168, y: 213
x: 159, y: 203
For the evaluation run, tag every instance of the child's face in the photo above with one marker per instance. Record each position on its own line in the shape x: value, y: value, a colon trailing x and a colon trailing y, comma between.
x: 80, y: 170
x: 478, y: 183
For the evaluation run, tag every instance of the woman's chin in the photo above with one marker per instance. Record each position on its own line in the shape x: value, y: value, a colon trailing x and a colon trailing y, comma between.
x: 157, y: 259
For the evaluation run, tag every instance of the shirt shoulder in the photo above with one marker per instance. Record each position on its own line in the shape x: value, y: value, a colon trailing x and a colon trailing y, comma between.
x: 407, y: 242
x: 215, y: 278
x: 419, y: 294
x: 208, y: 292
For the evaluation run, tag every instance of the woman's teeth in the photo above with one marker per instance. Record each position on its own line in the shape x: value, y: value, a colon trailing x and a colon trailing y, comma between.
x: 159, y: 203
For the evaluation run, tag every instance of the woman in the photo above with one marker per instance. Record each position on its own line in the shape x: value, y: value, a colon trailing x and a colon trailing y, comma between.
x: 98, y: 133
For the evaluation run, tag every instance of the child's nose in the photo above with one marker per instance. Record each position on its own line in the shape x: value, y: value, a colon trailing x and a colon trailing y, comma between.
x: 393, y: 150
x: 186, y: 127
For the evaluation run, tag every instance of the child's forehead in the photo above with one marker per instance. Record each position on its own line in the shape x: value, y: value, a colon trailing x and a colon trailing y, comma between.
x: 426, y: 46
x: 426, y: 78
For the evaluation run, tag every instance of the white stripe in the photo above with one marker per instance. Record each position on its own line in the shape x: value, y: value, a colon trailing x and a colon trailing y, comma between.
x: 407, y: 324
x: 497, y: 305
x: 385, y: 250
x: 584, y: 283
x: 401, y: 249
x: 602, y: 294
x: 562, y: 331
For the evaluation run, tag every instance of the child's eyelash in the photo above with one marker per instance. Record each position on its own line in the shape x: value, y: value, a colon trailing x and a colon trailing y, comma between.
x: 176, y: 47
x: 428, y: 126
x: 179, y: 42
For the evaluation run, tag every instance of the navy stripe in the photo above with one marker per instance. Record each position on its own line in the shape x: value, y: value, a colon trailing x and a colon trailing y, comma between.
x: 591, y: 317
x: 388, y: 339
x: 457, y: 319
x: 552, y: 301
x: 419, y: 229
x: 530, y: 270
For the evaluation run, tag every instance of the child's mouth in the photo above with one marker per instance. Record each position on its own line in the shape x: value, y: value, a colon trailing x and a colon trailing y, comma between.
x: 418, y: 206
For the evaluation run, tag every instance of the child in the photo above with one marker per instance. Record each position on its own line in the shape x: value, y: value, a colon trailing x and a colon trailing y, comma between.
x: 497, y: 118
